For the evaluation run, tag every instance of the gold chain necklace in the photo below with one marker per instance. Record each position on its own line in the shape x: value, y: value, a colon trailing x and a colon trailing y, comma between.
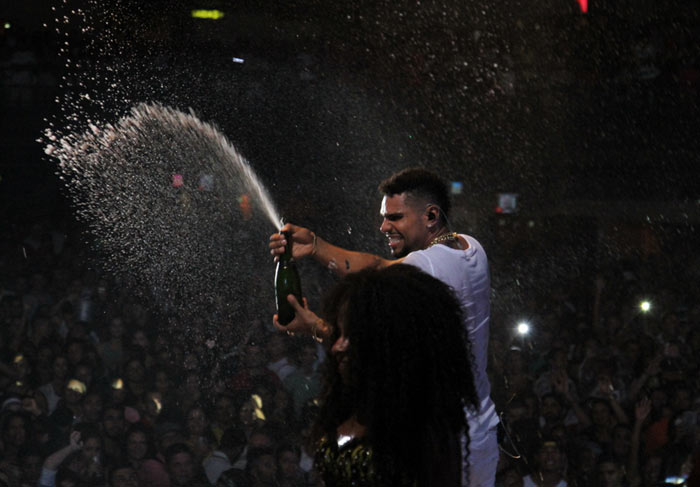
x: 443, y: 238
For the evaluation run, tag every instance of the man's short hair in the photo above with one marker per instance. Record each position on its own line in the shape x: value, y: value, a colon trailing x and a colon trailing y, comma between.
x: 418, y: 183
x: 176, y: 449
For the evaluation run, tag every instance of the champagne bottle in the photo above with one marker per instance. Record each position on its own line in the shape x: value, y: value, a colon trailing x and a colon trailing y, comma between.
x: 286, y: 282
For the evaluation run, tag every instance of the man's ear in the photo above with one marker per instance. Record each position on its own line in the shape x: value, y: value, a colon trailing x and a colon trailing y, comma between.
x: 433, y: 215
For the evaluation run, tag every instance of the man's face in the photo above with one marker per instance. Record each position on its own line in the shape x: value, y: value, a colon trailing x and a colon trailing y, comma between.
x: 16, y: 433
x: 113, y: 423
x: 288, y: 464
x: 136, y: 445
x: 265, y: 469
x: 91, y: 448
x: 403, y: 225
x: 609, y: 474
x: 181, y: 469
x: 124, y: 477
x: 549, y: 458
x: 550, y: 409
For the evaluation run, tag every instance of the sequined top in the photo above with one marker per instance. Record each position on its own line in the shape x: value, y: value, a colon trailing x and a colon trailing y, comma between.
x: 350, y: 465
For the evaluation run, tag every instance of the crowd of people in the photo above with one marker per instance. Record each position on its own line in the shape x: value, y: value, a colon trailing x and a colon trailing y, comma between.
x: 96, y: 389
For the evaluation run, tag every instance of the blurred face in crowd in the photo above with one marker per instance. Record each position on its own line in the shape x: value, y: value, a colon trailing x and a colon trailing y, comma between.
x: 136, y: 445
x: 92, y: 407
x: 246, y: 415
x: 276, y: 347
x: 658, y: 399
x: 21, y: 367
x: 116, y: 328
x: 622, y: 438
x: 113, y: 422
x: 682, y: 400
x: 135, y: 371
x: 84, y: 374
x: 609, y: 474
x: 549, y: 457
x: 288, y: 464
x: 162, y: 382
x: 41, y: 328
x: 308, y: 357
x: 254, y: 355
x: 224, y: 411
x: 191, y: 362
x: 550, y: 408
x: 260, y: 439
x: 192, y: 384
x: 181, y: 469
x: 44, y: 356
x: 140, y: 339
x: 60, y: 367
x: 75, y: 353
x: 600, y: 414
x: 72, y: 393
x: 92, y: 448
x: 15, y: 433
x: 124, y: 477
x: 196, y: 422
x: 264, y: 470
x: 559, y: 360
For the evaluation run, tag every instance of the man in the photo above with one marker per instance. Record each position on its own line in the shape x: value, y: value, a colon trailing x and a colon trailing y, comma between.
x: 182, y: 470
x: 123, y: 475
x: 232, y: 444
x: 611, y: 473
x: 549, y: 466
x: 415, y: 209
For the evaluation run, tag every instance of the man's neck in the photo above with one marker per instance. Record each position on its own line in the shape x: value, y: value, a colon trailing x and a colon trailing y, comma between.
x: 548, y: 479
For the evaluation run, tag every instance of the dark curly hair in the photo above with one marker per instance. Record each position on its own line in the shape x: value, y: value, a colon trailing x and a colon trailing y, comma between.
x: 410, y: 373
x: 420, y: 184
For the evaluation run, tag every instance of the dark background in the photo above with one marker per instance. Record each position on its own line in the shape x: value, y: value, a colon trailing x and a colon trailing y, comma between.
x: 591, y: 118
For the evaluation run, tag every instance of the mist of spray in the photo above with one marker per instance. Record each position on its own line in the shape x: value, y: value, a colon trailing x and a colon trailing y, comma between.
x: 171, y: 203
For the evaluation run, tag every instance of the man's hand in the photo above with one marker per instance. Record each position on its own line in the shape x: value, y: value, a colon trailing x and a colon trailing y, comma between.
x: 304, y: 318
x: 75, y: 443
x: 302, y: 241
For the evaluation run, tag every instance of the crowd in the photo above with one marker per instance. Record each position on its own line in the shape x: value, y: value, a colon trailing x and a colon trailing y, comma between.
x: 95, y: 391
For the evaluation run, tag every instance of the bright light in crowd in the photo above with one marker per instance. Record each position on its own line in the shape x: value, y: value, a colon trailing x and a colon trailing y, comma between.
x: 207, y: 14
x: 645, y: 306
x: 584, y: 5
x: 238, y: 60
x: 523, y: 328
x: 7, y: 25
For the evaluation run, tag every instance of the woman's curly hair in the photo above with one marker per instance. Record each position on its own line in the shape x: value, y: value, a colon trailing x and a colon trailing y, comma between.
x: 410, y: 375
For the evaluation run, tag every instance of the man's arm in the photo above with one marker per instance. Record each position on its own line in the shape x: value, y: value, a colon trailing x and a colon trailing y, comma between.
x: 341, y: 261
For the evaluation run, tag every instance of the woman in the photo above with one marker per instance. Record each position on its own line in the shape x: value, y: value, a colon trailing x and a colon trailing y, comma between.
x: 398, y: 382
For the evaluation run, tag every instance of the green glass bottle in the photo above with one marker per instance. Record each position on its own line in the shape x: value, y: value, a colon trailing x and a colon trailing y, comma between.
x: 286, y: 282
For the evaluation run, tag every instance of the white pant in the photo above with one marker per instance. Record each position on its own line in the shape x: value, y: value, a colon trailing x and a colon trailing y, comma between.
x: 483, y: 460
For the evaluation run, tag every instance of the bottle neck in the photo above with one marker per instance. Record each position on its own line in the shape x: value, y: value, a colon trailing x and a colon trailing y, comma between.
x: 286, y: 257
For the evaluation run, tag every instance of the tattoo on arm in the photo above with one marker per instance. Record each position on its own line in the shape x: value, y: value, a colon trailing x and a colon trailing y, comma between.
x: 347, y: 265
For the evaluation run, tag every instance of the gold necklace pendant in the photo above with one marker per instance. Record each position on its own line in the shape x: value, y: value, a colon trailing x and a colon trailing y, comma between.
x: 444, y: 238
